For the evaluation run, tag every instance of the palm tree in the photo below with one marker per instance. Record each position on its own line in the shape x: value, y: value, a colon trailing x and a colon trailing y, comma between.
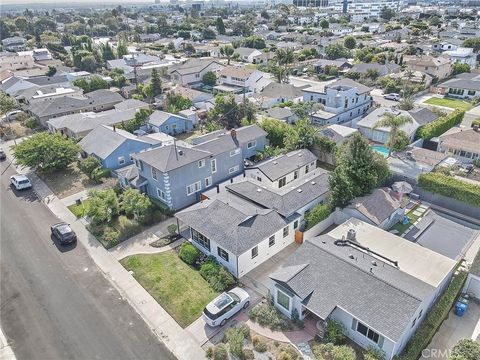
x: 394, y: 122
x: 285, y: 57
x: 227, y: 51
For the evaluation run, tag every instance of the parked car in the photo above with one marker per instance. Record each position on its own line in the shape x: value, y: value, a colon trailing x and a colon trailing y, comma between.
x: 12, y: 115
x: 20, y: 182
x: 224, y: 306
x: 392, y: 96
x: 3, y: 156
x: 63, y: 233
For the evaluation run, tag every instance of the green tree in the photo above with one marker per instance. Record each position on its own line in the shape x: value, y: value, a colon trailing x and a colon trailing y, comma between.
x: 89, y: 165
x: 276, y: 131
x: 301, y: 135
x: 52, y: 70
x: 406, y: 103
x: 400, y: 142
x: 386, y: 13
x: 46, y: 152
x: 208, y: 34
x: 107, y: 52
x: 220, y: 26
x: 155, y: 83
x: 137, y: 122
x: 209, y: 78
x: 135, y: 203
x: 104, y: 205
x: 459, y: 68
x: 227, y: 51
x: 394, y: 123
x: 177, y: 102
x: 255, y: 42
x: 121, y: 49
x: 472, y: 43
x: 336, y: 51
x: 341, y: 188
x: 350, y: 42
x: 7, y: 103
x: 324, y: 24
x: 97, y: 83
x: 226, y: 112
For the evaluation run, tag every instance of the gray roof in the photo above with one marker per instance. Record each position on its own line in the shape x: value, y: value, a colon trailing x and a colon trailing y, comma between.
x: 48, y: 80
x: 225, y: 142
x: 466, y: 81
x: 324, y: 277
x: 192, y: 66
x: 285, y: 201
x: 423, y: 115
x: 383, y: 69
x: 282, y: 165
x: 280, y: 113
x: 170, y: 157
x: 103, y: 140
x: 275, y: 90
x: 234, y: 227
x: 346, y: 82
x: 158, y: 117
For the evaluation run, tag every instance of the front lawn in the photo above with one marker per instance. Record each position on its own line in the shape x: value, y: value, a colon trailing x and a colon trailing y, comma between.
x: 178, y: 288
x: 79, y: 210
x: 450, y: 103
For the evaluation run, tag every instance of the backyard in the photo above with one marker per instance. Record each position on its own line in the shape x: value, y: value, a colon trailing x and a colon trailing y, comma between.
x: 177, y: 287
x: 450, y: 103
x: 413, y: 216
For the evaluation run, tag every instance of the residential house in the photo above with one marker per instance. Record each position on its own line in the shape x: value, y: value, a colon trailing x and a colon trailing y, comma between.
x: 15, y: 84
x: 192, y: 71
x: 463, y: 86
x: 378, y: 286
x: 46, y: 92
x: 343, y: 101
x: 367, y: 125
x: 171, y: 124
x: 208, y: 50
x: 134, y: 60
x: 446, y: 45
x: 414, y: 77
x: 177, y: 174
x: 401, y: 33
x: 96, y: 101
x: 41, y: 54
x: 15, y: 43
x: 198, y: 98
x: 409, y: 164
x: 113, y: 147
x: 340, y: 30
x: 381, y: 208
x: 338, y: 133
x: 461, y: 143
x: 282, y: 113
x: 462, y: 55
x: 239, y: 80
x: 381, y: 69
x: 472, y: 285
x: 250, y: 220
x: 275, y: 93
x: 323, y: 66
x: 438, y: 67
x: 252, y: 56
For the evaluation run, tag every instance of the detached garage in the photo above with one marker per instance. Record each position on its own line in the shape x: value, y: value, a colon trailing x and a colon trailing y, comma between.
x: 472, y: 285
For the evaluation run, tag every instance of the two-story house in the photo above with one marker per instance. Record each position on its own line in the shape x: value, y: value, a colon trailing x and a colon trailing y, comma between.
x: 176, y: 175
x: 344, y: 100
x: 239, y: 79
x: 462, y: 55
x: 192, y: 71
x: 438, y: 67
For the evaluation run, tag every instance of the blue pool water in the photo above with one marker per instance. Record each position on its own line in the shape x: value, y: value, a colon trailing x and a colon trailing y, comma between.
x: 382, y: 150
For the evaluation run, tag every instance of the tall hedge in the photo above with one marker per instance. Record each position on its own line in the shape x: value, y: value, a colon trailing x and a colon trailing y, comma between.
x: 450, y: 187
x: 439, y: 126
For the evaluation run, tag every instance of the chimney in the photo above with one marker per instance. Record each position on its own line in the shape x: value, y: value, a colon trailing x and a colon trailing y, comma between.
x: 233, y: 133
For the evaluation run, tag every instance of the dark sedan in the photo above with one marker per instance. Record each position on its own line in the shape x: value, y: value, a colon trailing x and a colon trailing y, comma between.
x: 63, y: 233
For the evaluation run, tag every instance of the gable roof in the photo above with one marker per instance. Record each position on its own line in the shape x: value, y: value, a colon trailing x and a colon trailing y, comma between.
x: 461, y: 138
x: 192, y: 66
x: 345, y: 82
x: 275, y: 90
x: 158, y: 117
x: 377, y: 206
x: 240, y: 72
x: 423, y: 115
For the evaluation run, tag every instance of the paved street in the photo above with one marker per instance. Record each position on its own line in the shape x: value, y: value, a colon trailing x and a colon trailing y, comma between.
x: 56, y: 303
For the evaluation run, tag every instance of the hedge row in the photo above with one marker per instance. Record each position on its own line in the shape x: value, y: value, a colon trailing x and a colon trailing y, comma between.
x: 439, y: 126
x: 434, y: 319
x: 319, y: 213
x: 450, y: 187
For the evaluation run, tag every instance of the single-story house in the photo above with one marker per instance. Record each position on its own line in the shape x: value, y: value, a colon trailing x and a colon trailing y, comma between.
x: 463, y: 86
x: 161, y: 121
x: 284, y: 114
x: 338, y: 133
x: 462, y: 143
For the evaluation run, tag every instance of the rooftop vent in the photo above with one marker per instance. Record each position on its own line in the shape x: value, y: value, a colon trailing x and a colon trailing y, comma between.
x: 313, y: 183
x: 275, y: 163
x: 180, y: 152
x: 259, y: 190
x: 300, y: 154
x: 351, y: 256
x: 351, y: 235
x: 299, y: 190
x: 374, y: 263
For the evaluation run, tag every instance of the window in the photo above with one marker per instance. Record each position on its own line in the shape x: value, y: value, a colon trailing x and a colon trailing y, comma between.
x: 295, y: 224
x: 233, y: 169
x: 208, y: 181
x: 201, y: 239
x: 471, y: 92
x: 161, y: 194
x: 252, y: 144
x: 283, y: 300
x: 282, y: 182
x: 154, y: 174
x: 235, y: 152
x: 201, y: 163
x: 307, y: 169
x: 285, y: 231
x: 121, y: 160
x: 295, y: 174
x: 271, y: 241
x: 193, y: 188
x: 222, y: 253
x: 213, y: 164
x: 367, y: 332
x: 255, y: 252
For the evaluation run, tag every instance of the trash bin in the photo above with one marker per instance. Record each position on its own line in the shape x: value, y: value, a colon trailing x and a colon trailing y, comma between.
x: 460, y: 308
x: 78, y: 201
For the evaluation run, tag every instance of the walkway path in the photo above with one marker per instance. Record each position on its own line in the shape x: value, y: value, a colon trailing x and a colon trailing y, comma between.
x: 178, y: 341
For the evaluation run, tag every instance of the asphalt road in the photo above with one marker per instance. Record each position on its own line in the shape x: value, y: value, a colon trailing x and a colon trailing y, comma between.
x: 55, y: 302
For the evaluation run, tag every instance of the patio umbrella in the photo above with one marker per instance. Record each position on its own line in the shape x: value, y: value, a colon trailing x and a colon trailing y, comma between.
x: 402, y: 187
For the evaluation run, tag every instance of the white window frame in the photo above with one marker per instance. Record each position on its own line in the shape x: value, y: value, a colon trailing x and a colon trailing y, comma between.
x: 221, y: 251
x: 201, y: 163
x: 234, y: 152
x: 161, y: 194
x: 233, y: 169
x: 197, y: 186
x: 208, y: 181
x: 288, y: 297
x: 287, y: 229
x: 121, y: 160
x: 271, y: 241
x: 154, y: 173
x: 213, y: 165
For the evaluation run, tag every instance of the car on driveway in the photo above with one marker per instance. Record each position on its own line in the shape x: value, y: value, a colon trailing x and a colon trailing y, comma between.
x: 63, y: 233
x: 392, y: 96
x: 3, y: 156
x: 20, y: 182
x: 224, y: 306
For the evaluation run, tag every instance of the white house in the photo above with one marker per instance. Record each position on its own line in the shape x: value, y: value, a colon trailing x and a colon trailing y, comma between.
x: 192, y: 71
x: 462, y: 56
x: 376, y: 284
x: 237, y: 79
x: 249, y: 55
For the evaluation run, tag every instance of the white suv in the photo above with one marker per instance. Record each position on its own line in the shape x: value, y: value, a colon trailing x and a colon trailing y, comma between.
x: 20, y: 182
x: 225, y: 305
x: 392, y: 96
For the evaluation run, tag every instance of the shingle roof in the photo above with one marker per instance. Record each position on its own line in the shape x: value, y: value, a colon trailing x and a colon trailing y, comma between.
x: 158, y: 117
x: 324, y: 276
x: 284, y: 164
x: 461, y: 139
x: 423, y: 115
x: 48, y: 80
x: 360, y: 88
x: 236, y: 71
x: 275, y: 90
x: 192, y: 66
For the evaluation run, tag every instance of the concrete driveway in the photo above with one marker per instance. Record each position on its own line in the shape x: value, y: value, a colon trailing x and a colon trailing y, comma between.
x: 453, y: 329
x: 202, y: 333
x: 377, y: 96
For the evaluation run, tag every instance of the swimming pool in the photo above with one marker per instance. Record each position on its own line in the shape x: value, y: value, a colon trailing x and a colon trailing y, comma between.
x: 382, y: 150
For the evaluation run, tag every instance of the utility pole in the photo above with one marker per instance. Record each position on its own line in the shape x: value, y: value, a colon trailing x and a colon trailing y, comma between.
x: 135, y: 70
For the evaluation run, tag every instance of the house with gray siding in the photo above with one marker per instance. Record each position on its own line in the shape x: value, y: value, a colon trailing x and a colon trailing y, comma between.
x: 177, y: 174
x: 171, y: 124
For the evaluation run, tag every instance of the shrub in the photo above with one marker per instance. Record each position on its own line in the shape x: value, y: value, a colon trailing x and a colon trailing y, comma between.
x: 220, y: 352
x: 319, y: 213
x: 103, y: 205
x: 259, y: 345
x: 434, y: 319
x: 189, y: 253
x: 466, y: 349
x: 334, y: 333
x: 267, y: 315
x: 248, y: 354
x: 343, y: 353
x: 31, y: 123
x: 210, y: 352
x: 450, y: 187
x: 217, y: 276
x: 88, y: 165
x: 245, y: 330
x: 373, y: 353
x: 172, y: 229
x: 99, y: 173
x: 128, y: 227
x: 287, y: 353
x: 235, y: 341
x: 476, y: 122
x: 439, y: 126
x: 110, y: 236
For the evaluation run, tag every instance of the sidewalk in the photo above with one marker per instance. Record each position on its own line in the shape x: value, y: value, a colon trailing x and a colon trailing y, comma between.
x: 177, y: 340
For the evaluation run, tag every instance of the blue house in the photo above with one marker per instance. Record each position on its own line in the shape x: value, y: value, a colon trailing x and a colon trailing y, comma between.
x: 113, y: 146
x: 176, y: 175
x: 171, y: 124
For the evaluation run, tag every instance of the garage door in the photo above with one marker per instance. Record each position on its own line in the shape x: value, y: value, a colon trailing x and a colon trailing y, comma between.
x: 473, y: 286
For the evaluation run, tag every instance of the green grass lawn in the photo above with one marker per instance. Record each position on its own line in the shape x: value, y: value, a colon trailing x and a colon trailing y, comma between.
x: 79, y: 210
x: 400, y: 227
x: 451, y: 103
x: 178, y: 288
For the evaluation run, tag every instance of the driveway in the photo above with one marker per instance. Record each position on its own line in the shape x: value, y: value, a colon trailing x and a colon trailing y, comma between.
x: 377, y: 96
x: 258, y: 279
x: 202, y: 333
x: 453, y: 329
